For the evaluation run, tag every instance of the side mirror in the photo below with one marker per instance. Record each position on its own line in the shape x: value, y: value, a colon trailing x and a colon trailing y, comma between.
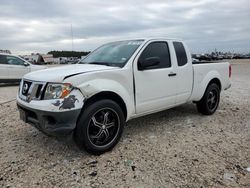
x: 26, y: 64
x: 148, y: 63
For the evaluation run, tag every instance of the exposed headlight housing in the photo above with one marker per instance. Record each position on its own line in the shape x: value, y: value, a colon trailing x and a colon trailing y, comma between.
x: 57, y: 91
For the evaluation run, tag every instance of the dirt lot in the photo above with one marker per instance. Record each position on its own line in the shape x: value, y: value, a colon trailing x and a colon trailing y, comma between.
x: 174, y: 148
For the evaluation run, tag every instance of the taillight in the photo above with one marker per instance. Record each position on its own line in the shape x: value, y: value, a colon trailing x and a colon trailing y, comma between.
x: 230, y: 71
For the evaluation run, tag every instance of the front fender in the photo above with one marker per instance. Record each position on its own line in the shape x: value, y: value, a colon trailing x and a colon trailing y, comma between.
x: 93, y: 87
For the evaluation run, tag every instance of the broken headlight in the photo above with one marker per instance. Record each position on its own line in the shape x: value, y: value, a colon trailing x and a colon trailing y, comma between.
x: 57, y: 91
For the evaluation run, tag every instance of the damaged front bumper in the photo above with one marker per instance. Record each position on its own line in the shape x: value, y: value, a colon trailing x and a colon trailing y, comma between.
x: 57, y: 117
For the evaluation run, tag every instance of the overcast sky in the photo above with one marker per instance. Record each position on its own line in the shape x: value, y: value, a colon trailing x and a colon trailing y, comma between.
x: 40, y: 26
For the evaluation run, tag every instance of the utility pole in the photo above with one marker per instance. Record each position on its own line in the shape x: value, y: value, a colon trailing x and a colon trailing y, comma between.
x: 72, y: 38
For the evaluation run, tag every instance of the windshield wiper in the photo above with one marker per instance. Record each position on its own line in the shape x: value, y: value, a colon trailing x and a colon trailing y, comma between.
x: 103, y: 63
x: 100, y: 63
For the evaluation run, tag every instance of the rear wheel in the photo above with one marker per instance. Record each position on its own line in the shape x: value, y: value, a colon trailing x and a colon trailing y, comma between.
x: 210, y: 101
x: 100, y: 126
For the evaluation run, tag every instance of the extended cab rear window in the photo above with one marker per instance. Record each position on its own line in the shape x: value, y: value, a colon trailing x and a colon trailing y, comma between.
x: 180, y: 53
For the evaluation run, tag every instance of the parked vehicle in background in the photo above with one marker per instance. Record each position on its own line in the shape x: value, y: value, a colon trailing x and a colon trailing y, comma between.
x: 115, y: 83
x: 13, y: 68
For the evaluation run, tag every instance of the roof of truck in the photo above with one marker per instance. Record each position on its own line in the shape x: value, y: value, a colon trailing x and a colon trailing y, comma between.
x: 160, y: 38
x: 148, y: 39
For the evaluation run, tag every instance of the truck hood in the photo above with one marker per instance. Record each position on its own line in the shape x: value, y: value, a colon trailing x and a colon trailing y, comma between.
x: 58, y: 74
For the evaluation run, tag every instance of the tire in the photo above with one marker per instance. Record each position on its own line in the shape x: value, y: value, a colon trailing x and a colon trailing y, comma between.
x: 99, y: 127
x: 210, y: 100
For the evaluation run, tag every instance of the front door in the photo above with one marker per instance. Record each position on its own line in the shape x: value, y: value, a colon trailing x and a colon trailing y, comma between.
x: 155, y: 86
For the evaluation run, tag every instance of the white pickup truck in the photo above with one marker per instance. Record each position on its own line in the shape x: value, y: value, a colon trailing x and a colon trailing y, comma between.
x: 117, y: 82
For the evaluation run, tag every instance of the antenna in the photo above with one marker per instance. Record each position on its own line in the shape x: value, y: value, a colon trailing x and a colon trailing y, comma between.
x: 72, y: 37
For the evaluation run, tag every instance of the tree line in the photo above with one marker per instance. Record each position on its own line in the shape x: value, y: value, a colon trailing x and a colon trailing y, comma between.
x: 68, y: 53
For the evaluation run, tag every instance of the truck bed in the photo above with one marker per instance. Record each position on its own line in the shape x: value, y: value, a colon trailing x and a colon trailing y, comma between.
x: 203, y: 62
x: 203, y: 72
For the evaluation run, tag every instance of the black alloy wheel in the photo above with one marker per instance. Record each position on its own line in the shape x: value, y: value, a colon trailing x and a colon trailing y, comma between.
x: 100, y: 126
x: 103, y: 127
x: 210, y: 100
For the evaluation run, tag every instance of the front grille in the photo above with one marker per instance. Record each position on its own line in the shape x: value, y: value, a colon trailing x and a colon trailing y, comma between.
x: 39, y: 90
x: 31, y: 90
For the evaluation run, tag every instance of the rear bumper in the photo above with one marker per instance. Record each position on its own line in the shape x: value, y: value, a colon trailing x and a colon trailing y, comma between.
x: 51, y: 123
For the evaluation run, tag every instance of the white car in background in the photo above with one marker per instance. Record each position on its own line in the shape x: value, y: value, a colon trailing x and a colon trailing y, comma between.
x: 13, y: 68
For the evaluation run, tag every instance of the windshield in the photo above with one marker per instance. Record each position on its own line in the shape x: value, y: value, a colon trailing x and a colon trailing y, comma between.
x: 113, y: 54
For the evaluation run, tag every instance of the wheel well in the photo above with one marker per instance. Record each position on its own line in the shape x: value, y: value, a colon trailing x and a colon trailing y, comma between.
x: 108, y: 95
x: 215, y: 81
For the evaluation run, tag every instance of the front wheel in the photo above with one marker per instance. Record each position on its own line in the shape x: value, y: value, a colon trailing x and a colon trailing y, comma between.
x: 210, y: 101
x: 100, y: 126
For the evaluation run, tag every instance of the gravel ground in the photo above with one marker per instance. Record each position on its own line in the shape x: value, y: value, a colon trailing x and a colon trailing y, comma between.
x: 8, y: 93
x: 174, y: 148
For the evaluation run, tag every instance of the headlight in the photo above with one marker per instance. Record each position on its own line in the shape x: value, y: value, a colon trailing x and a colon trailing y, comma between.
x: 57, y: 91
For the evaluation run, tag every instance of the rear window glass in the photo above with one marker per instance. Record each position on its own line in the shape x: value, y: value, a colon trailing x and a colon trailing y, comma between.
x: 180, y: 53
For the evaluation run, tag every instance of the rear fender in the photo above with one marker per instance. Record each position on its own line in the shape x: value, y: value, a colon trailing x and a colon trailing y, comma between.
x: 200, y: 87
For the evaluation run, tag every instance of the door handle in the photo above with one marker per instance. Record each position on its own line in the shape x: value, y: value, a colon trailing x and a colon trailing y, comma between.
x: 171, y: 74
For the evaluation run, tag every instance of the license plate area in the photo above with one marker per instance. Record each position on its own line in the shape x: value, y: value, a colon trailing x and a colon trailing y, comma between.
x: 23, y: 115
